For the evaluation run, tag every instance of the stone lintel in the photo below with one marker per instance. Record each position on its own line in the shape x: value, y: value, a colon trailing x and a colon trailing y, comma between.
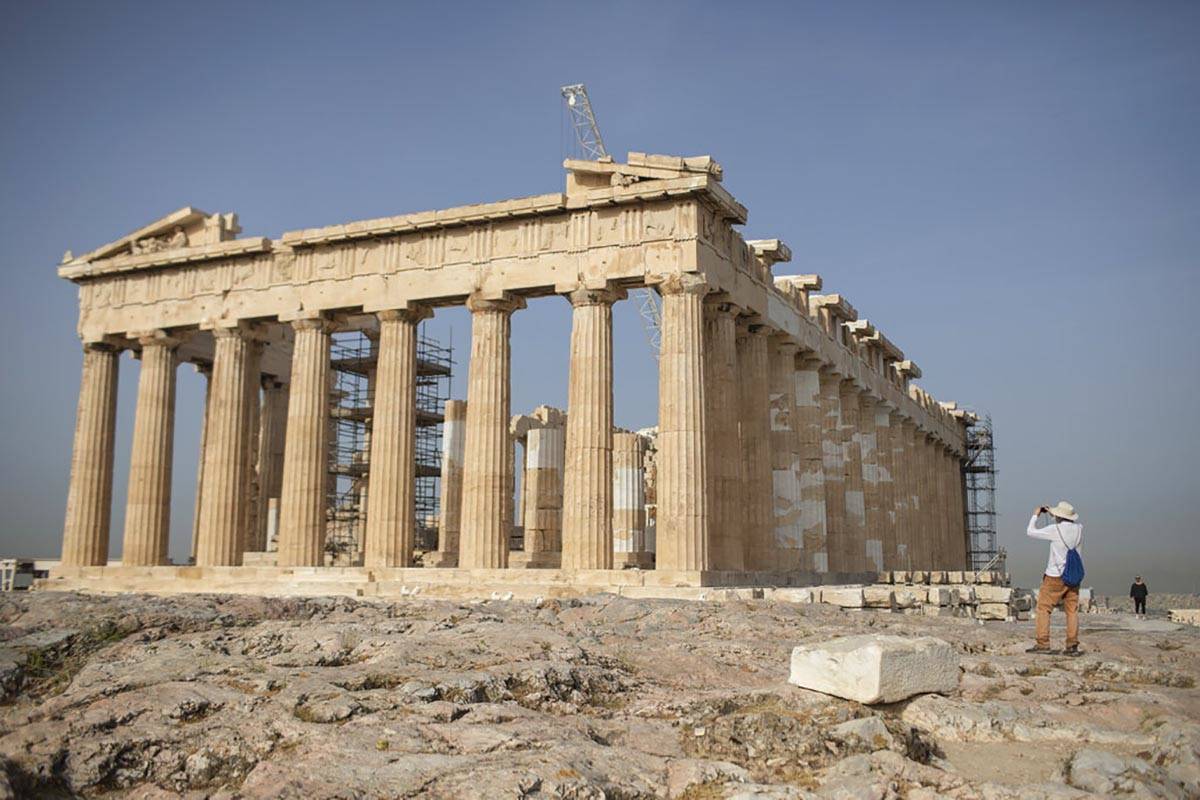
x: 770, y: 251
x: 861, y: 329
x: 908, y: 368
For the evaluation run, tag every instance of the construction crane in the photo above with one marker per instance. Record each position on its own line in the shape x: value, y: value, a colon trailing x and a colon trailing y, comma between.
x: 591, y: 145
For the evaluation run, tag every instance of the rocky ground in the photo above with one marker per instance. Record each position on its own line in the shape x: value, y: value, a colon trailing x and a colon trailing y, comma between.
x: 224, y: 697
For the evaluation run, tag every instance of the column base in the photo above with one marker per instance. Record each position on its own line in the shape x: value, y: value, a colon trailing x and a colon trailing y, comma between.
x: 638, y: 560
x: 545, y: 559
x: 439, y: 559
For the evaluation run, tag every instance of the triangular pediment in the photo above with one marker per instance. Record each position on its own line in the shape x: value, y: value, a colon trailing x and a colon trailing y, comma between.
x: 187, y: 227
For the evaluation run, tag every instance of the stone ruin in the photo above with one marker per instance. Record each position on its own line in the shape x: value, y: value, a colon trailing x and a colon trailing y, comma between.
x: 792, y: 446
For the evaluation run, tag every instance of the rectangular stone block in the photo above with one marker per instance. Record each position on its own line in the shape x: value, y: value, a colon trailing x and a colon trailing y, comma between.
x: 937, y: 576
x: 937, y: 595
x: 843, y: 597
x: 920, y: 576
x: 876, y: 668
x: 884, y: 577
x: 878, y: 597
x: 906, y: 598
x: 901, y: 576
x: 792, y: 595
x: 966, y: 595
x: 954, y: 576
x: 986, y: 577
x: 993, y: 594
x: 931, y: 610
x: 1021, y: 602
x: 991, y: 611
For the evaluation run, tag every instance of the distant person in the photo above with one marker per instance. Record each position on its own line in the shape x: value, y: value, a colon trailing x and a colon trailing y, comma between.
x: 1139, y: 591
x: 1064, y: 534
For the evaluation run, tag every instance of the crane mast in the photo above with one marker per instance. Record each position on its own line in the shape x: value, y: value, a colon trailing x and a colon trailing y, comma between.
x: 591, y: 145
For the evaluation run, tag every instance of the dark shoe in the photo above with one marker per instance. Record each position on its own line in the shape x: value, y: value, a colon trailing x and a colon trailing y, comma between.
x: 1041, y: 650
x: 1072, y: 650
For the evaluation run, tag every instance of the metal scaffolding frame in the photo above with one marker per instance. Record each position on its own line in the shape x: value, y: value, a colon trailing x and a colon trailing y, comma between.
x: 353, y: 358
x: 979, y: 485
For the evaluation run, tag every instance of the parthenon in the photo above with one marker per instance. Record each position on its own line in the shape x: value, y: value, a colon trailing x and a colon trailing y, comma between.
x: 792, y: 446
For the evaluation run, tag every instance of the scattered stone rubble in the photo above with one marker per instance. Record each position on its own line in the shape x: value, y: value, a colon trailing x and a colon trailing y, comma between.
x: 204, y: 696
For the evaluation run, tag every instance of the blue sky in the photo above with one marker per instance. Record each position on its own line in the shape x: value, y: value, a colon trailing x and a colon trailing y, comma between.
x: 1009, y: 190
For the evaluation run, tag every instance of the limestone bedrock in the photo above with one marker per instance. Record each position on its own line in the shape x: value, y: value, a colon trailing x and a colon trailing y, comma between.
x: 876, y: 668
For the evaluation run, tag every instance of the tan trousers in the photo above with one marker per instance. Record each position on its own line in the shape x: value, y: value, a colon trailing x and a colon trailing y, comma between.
x: 1053, y: 592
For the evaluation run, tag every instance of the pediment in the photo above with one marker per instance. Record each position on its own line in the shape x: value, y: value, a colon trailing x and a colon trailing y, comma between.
x: 187, y: 227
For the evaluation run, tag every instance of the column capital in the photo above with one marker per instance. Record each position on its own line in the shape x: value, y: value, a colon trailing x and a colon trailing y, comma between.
x: 102, y: 347
x: 784, y: 344
x: 502, y: 302
x: 587, y: 296
x: 158, y: 338
x: 411, y: 312
x: 319, y: 323
x: 683, y: 283
x: 721, y: 303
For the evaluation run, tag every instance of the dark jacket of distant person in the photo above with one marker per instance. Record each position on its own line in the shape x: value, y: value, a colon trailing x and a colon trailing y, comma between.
x: 1138, y: 591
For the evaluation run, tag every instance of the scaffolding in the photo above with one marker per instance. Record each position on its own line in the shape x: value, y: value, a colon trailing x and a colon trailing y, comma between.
x: 979, y: 484
x: 353, y: 359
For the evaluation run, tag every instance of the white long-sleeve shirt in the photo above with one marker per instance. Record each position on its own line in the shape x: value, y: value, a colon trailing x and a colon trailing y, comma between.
x: 1061, y: 535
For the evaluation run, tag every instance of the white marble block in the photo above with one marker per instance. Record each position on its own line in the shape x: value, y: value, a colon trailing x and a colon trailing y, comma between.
x: 876, y: 668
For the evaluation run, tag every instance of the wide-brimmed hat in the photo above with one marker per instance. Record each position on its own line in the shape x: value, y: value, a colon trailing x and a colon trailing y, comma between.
x: 1064, y: 510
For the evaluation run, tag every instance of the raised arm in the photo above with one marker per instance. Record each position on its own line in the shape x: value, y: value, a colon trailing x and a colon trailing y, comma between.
x: 1034, y: 532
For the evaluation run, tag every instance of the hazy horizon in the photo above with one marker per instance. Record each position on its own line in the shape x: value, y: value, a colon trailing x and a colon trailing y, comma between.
x: 1009, y: 192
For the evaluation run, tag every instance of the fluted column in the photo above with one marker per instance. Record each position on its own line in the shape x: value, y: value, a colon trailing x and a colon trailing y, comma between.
x: 834, y: 458
x: 271, y: 436
x: 253, y: 411
x: 587, y: 538
x: 454, y: 437
x: 854, y: 542
x: 629, y: 501
x: 391, y: 493
x: 545, y: 456
x: 306, y: 452
x: 205, y: 370
x: 915, y: 532
x: 754, y: 435
x: 927, y: 542
x: 726, y: 489
x: 148, y: 508
x: 873, y: 512
x: 683, y: 521
x: 885, y: 467
x: 488, y: 456
x: 810, y: 465
x: 89, y: 496
x: 787, y: 542
x: 225, y: 496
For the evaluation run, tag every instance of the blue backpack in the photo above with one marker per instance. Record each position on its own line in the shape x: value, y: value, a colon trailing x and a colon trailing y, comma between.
x: 1073, y: 571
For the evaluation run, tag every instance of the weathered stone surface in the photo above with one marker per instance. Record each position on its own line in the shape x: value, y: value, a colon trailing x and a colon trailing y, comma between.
x: 878, y: 597
x: 993, y: 594
x: 876, y: 669
x: 843, y: 597
x: 992, y: 611
x: 252, y: 697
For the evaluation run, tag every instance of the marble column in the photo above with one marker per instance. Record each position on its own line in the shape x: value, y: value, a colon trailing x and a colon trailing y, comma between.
x: 683, y: 521
x: 810, y: 465
x: 253, y: 410
x: 221, y: 537
x: 204, y: 370
x: 629, y: 501
x: 148, y: 508
x: 787, y: 542
x: 854, y: 542
x: 726, y: 487
x: 454, y: 437
x: 545, y: 455
x: 754, y: 427
x: 391, y: 526
x: 927, y: 542
x: 587, y: 535
x: 884, y: 443
x: 872, y: 509
x: 89, y: 496
x: 272, y: 431
x: 833, y: 457
x: 306, y: 451
x: 488, y: 460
